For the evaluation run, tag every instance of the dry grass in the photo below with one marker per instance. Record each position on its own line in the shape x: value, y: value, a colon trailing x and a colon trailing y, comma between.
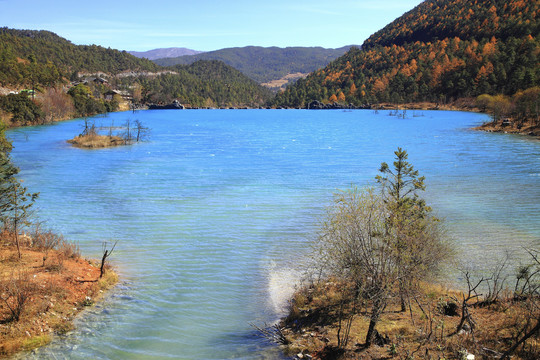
x: 280, y: 83
x: 312, y: 326
x: 94, y: 141
x: 58, y: 284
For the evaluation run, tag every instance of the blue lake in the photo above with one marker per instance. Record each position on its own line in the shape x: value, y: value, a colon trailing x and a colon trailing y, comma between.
x: 215, y: 213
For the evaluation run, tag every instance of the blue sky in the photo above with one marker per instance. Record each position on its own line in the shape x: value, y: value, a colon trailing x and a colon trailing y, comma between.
x: 205, y: 24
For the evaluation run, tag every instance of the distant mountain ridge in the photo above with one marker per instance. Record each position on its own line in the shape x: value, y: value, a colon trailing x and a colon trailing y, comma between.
x: 265, y: 64
x: 163, y: 53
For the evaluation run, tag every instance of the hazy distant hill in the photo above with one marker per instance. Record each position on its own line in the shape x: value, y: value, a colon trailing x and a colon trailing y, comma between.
x: 164, y: 53
x: 266, y: 64
x: 439, y: 51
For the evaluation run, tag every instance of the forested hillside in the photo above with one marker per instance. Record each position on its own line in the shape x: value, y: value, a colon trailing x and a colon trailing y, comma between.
x: 28, y: 57
x: 440, y: 51
x: 479, y: 19
x: 265, y: 64
x: 51, y: 79
x: 201, y: 84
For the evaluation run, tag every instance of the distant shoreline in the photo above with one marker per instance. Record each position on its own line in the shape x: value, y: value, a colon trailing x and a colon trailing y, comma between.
x: 460, y: 105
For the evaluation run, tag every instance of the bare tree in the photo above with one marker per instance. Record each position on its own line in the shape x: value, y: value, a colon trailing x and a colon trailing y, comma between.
x: 472, y: 294
x: 142, y: 132
x: 128, y: 132
x: 352, y: 245
x: 530, y: 301
x: 111, y: 128
x: 273, y: 333
x: 56, y: 104
x: 15, y: 293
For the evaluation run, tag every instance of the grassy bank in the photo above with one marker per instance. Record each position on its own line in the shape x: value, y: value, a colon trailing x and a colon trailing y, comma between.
x: 44, y: 290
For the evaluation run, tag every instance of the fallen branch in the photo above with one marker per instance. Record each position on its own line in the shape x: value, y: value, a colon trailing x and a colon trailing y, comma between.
x: 273, y: 333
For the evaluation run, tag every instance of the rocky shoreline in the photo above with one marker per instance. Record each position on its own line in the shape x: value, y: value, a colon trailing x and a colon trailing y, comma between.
x: 510, y: 127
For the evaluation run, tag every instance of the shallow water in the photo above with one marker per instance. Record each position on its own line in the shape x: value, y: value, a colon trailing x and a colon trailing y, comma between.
x: 214, y: 213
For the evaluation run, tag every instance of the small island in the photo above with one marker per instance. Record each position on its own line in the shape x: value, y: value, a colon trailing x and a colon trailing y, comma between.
x: 94, y: 141
x: 130, y: 132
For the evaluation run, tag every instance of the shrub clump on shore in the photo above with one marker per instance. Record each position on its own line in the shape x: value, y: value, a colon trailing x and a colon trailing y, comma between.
x: 377, y: 258
x: 322, y: 313
x: 44, y: 282
x: 44, y: 289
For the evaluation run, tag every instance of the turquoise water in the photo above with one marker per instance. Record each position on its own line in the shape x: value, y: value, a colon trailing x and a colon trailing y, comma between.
x: 214, y: 214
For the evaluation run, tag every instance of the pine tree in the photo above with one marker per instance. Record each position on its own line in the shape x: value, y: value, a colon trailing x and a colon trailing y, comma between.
x: 15, y: 200
x: 407, y: 217
x: 15, y: 206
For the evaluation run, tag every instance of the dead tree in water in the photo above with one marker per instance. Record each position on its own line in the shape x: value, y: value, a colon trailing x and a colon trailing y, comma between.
x: 142, y: 131
x: 106, y: 254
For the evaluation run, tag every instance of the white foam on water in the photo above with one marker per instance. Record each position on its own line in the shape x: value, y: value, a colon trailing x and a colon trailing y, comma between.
x: 282, y: 283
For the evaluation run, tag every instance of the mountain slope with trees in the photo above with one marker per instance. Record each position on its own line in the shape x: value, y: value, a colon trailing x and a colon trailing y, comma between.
x: 439, y: 51
x: 265, y: 64
x: 30, y: 56
x: 64, y: 80
x: 201, y: 84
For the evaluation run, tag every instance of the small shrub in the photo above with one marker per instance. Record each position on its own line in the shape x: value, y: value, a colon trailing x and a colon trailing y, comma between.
x: 294, y: 313
x: 87, y: 301
x: 69, y: 250
x: 448, y: 307
x: 392, y: 350
x: 15, y: 293
x: 58, y: 267
x: 45, y: 240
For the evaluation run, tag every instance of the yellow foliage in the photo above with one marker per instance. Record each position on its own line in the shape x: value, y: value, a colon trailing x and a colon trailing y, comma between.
x: 378, y: 86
